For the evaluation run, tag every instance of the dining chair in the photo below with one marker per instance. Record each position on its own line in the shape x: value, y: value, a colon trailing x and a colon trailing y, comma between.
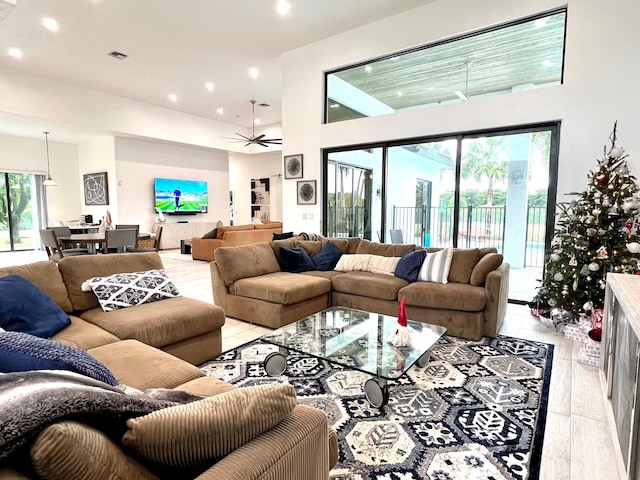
x: 120, y: 240
x: 52, y: 246
x: 156, y: 242
x: 65, y: 231
x: 123, y: 226
x: 396, y: 236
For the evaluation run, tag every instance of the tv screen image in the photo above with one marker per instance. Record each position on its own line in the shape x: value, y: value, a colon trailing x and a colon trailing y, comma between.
x: 180, y: 196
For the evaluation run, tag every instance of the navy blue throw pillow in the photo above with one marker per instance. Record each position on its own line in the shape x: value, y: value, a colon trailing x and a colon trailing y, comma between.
x: 409, y: 265
x: 21, y: 352
x: 26, y: 308
x: 327, y: 258
x: 296, y: 260
x: 282, y: 236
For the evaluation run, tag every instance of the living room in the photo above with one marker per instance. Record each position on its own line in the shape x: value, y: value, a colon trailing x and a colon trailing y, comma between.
x: 135, y: 141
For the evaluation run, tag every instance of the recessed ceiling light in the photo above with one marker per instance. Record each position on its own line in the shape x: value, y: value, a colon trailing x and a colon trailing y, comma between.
x: 368, y: 69
x: 283, y: 7
x: 253, y: 71
x: 50, y: 24
x: 220, y: 110
x: 209, y: 86
x: 334, y: 105
x: 15, y: 52
x: 399, y: 94
x: 257, y: 121
x: 173, y: 97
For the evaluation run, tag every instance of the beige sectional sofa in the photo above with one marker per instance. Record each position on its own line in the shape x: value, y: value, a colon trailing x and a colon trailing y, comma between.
x: 232, y: 236
x: 300, y: 444
x: 249, y: 284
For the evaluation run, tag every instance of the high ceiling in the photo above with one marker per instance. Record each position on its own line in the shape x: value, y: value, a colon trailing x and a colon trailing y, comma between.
x: 177, y: 47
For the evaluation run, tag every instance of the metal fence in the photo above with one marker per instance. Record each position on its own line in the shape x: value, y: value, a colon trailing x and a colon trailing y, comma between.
x: 479, y: 227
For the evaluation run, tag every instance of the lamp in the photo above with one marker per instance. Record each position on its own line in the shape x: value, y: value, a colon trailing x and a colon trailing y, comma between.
x: 49, y: 182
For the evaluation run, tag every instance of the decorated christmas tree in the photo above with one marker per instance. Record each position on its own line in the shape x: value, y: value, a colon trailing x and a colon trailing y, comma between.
x: 596, y: 233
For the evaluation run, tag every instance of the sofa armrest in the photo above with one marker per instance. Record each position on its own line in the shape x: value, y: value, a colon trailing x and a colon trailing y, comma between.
x: 298, y: 447
x: 218, y: 286
x: 204, y: 248
x: 497, y: 288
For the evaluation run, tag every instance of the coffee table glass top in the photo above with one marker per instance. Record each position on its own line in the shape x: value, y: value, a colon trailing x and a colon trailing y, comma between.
x: 357, y: 339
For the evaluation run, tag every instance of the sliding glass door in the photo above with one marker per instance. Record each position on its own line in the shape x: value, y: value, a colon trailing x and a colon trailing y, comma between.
x: 19, y: 212
x: 474, y: 190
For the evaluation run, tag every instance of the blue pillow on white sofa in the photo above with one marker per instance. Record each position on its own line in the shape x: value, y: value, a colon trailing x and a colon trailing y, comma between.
x: 26, y: 308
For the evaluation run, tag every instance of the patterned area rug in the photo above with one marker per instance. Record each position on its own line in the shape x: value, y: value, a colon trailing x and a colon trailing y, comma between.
x: 477, y: 410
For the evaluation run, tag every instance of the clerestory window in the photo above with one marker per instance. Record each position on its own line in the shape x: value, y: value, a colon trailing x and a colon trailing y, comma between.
x: 521, y: 55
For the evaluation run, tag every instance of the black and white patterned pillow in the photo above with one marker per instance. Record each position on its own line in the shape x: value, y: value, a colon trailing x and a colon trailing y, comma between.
x: 122, y: 290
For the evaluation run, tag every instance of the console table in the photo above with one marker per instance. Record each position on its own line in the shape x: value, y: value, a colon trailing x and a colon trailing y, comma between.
x: 620, y: 362
x: 172, y: 233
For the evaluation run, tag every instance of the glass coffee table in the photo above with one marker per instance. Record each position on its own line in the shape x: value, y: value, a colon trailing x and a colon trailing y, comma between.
x: 357, y: 340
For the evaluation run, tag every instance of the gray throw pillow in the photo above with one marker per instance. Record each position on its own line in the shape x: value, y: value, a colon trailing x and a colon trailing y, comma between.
x: 211, y: 234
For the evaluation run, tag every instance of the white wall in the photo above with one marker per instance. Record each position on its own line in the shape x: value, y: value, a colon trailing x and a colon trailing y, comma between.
x: 95, y: 157
x: 600, y: 86
x: 24, y: 155
x: 243, y: 168
x: 138, y: 162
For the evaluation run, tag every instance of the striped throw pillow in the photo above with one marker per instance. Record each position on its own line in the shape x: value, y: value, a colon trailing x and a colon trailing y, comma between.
x: 435, y: 267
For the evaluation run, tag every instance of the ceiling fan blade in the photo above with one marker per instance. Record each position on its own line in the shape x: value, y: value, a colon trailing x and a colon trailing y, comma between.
x: 259, y: 137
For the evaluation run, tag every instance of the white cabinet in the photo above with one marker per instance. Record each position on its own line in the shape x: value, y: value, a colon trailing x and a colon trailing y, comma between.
x: 172, y: 233
x: 621, y: 361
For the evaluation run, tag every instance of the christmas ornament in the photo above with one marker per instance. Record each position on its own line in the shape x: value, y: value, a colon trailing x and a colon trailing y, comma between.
x: 588, y: 306
x: 552, y: 302
x: 595, y: 334
x: 584, y: 271
x: 558, y: 277
x: 596, y: 211
x: 633, y: 247
x: 591, y: 232
x: 589, y: 219
x: 573, y: 262
x: 565, y: 290
x: 554, y: 257
x: 601, y: 178
x: 630, y: 205
x: 575, y: 285
x: 605, y: 201
x: 616, y: 152
x: 594, y: 267
x: 402, y: 335
x: 555, y: 242
x: 601, y: 253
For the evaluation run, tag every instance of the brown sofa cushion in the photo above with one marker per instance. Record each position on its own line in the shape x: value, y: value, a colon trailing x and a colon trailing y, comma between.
x: 487, y: 264
x: 281, y: 287
x: 287, y: 243
x: 384, y: 249
x: 70, y: 449
x: 84, y: 335
x: 197, y: 433
x: 75, y: 270
x: 161, y: 370
x: 449, y: 296
x: 462, y: 264
x: 231, y: 228
x: 251, y: 261
x: 310, y: 246
x: 341, y: 244
x: 367, y: 284
x: 45, y: 276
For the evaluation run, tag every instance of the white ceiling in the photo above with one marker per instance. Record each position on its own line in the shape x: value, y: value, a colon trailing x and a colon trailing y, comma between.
x: 178, y: 46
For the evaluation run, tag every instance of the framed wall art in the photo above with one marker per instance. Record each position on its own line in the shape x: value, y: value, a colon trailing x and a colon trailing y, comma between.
x: 96, y: 189
x: 306, y: 192
x: 293, y: 166
x: 260, y: 199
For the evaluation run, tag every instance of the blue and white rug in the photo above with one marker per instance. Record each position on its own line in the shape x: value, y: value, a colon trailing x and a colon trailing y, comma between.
x: 477, y: 410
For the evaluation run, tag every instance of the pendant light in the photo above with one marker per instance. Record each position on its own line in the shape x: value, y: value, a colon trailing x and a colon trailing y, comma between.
x: 49, y: 182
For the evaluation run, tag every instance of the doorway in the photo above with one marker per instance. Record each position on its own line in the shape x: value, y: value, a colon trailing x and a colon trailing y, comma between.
x: 490, y: 189
x: 19, y: 211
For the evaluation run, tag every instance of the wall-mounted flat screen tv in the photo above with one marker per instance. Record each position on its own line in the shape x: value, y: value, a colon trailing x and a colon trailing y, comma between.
x: 180, y: 196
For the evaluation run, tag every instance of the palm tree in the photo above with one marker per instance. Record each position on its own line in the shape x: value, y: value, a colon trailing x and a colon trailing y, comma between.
x: 480, y: 161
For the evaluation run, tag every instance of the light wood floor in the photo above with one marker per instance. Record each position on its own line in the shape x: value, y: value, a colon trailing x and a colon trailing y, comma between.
x: 579, y: 442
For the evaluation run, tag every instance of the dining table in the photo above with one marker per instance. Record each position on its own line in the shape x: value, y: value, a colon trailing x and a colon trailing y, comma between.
x: 94, y: 241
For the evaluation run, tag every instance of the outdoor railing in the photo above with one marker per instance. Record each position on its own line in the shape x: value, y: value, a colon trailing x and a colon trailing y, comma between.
x: 479, y: 227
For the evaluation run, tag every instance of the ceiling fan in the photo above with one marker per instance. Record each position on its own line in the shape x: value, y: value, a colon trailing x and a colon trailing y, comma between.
x: 253, y: 140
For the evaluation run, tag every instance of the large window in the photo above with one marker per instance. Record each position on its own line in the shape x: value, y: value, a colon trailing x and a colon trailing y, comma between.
x: 490, y: 189
x: 521, y: 55
x: 20, y: 211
